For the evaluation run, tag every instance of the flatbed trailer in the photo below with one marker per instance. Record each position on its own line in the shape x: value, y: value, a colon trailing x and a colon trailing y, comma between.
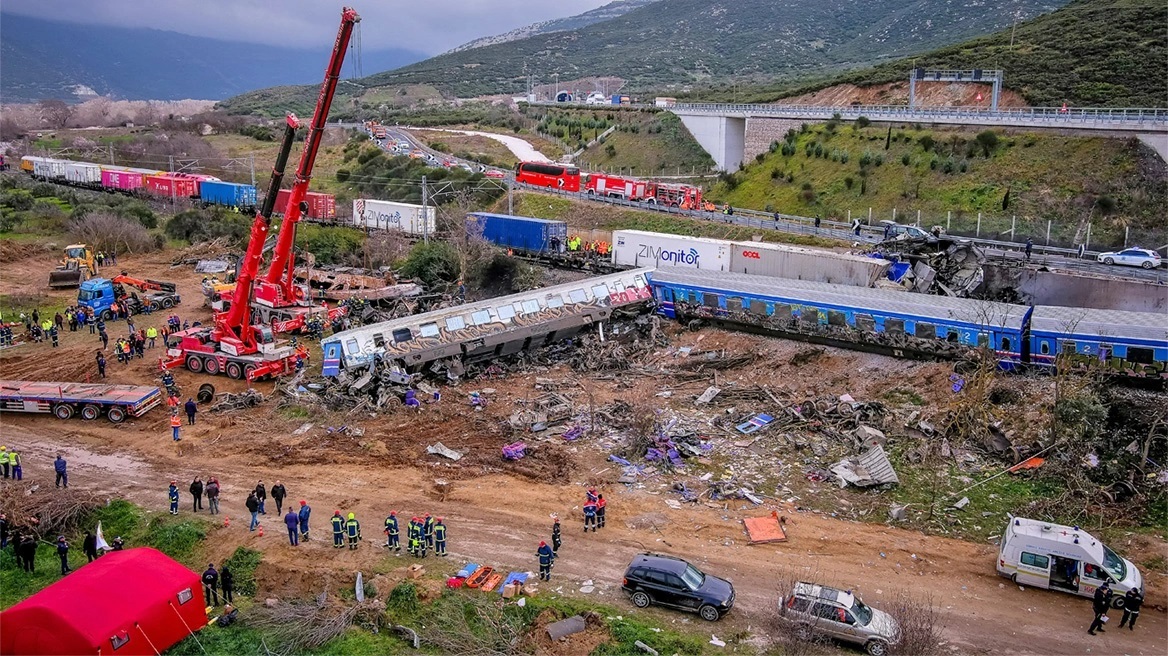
x: 89, y: 400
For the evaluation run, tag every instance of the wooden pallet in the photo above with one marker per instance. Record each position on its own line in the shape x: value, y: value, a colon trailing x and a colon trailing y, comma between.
x: 492, y: 582
x: 479, y: 577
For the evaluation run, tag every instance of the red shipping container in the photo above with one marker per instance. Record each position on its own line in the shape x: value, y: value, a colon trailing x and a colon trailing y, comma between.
x: 172, y: 185
x: 320, y: 206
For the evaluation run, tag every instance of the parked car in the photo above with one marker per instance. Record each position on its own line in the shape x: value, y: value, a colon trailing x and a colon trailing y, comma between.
x: 1140, y: 257
x: 839, y: 615
x: 669, y: 581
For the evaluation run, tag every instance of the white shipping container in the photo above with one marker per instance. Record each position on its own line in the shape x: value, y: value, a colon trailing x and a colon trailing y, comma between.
x: 778, y: 261
x: 49, y: 169
x: 82, y: 173
x: 388, y: 215
x: 651, y: 249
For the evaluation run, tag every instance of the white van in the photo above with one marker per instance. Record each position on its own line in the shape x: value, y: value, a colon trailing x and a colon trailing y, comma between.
x: 1064, y: 558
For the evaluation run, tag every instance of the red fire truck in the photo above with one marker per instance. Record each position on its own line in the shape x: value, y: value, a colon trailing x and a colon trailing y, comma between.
x: 672, y: 195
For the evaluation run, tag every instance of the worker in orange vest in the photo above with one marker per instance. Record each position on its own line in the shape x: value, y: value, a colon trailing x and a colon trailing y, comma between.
x: 175, y: 424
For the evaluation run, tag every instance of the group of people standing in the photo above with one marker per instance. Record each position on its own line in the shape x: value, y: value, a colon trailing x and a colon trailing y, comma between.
x: 422, y: 535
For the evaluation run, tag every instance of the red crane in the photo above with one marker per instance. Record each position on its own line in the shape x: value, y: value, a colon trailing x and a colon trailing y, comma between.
x: 233, y: 345
x: 277, y: 295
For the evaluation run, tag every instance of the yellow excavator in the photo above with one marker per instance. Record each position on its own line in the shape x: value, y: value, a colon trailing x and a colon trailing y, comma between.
x: 78, y: 265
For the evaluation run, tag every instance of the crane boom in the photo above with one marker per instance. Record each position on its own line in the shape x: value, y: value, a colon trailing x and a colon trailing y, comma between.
x: 280, y: 272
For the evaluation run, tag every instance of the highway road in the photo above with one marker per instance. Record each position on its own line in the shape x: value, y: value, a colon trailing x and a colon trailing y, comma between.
x: 1053, y: 258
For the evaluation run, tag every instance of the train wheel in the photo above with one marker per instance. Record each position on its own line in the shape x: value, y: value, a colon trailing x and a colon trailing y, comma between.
x: 234, y: 370
x: 212, y: 366
x: 63, y: 411
x: 194, y: 363
x: 116, y: 415
x: 90, y: 412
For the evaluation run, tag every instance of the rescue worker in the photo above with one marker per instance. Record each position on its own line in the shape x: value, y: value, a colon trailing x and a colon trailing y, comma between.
x: 62, y: 553
x: 196, y: 491
x: 118, y: 544
x: 353, y: 528
x: 173, y: 494
x: 546, y: 556
x: 590, y: 515
x: 211, y: 584
x: 5, y: 460
x: 600, y: 503
x: 392, y: 537
x: 412, y: 537
x: 17, y: 470
x: 292, y: 521
x: 151, y: 334
x: 428, y: 531
x: 60, y: 466
x: 440, y: 539
x: 175, y: 424
x: 278, y: 493
x: 303, y: 515
x: 556, y: 540
x: 1100, y: 603
x: 1131, y: 608
x: 421, y: 531
x: 338, y: 530
x: 191, y: 407
x: 227, y: 584
x: 100, y: 364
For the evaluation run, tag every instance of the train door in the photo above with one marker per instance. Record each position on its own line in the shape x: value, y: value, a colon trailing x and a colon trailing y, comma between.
x: 331, y: 363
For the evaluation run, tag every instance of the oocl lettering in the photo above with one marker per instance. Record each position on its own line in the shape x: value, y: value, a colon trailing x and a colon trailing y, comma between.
x: 752, y: 255
x: 677, y: 257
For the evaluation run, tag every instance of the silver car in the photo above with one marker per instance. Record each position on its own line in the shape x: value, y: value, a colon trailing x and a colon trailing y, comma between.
x: 1140, y: 257
x: 839, y: 615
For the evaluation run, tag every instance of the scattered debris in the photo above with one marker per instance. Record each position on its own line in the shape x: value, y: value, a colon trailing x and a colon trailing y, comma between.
x: 646, y: 648
x: 707, y: 395
x: 515, y: 451
x: 898, y: 513
x: 714, y: 640
x: 444, y: 451
x: 231, y: 401
x: 962, y: 503
x: 868, y: 469
x: 763, y: 530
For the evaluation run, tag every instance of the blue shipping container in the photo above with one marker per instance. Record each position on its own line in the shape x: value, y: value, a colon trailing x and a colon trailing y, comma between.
x: 228, y: 194
x: 517, y: 232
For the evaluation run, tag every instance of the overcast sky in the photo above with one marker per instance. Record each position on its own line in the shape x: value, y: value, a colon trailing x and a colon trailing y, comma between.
x: 427, y: 26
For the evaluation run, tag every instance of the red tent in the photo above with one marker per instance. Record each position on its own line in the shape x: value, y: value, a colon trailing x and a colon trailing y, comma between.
x: 138, y: 601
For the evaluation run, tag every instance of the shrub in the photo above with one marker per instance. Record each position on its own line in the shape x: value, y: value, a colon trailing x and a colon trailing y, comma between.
x: 863, y: 122
x: 927, y: 142
x: 433, y: 263
x: 844, y: 157
x: 610, y: 150
x: 988, y: 140
x: 106, y: 231
x: 818, y: 150
x: 805, y: 186
x: 760, y: 157
x: 776, y: 174
x: 849, y: 182
x: 905, y: 159
x: 243, y: 563
x: 343, y: 175
x: 963, y: 166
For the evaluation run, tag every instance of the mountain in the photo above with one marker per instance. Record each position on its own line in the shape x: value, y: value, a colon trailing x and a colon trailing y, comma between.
x: 1090, y: 53
x: 609, y: 11
x: 49, y: 59
x: 680, y: 42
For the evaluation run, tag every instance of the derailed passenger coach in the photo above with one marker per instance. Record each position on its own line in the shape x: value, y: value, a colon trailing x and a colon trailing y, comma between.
x: 487, y: 329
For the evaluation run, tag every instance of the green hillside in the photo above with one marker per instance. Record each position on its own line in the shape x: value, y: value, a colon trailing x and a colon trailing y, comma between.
x: 1098, y: 53
x: 829, y: 170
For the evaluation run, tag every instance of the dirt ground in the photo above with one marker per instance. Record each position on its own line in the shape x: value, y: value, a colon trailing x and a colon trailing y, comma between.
x: 928, y: 94
x: 499, y: 511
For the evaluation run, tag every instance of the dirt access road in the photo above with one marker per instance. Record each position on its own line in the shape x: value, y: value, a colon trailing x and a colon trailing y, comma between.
x: 498, y: 520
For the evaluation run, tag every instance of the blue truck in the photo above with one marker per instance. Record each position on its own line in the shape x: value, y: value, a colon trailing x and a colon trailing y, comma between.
x: 228, y: 194
x: 100, y: 294
x: 521, y: 233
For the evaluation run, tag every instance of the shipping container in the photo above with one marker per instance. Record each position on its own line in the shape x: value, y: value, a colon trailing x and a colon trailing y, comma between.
x: 321, y: 207
x: 28, y: 163
x: 171, y: 185
x: 228, y: 194
x: 665, y: 102
x: 83, y: 174
x: 122, y: 180
x: 650, y: 249
x: 387, y: 215
x: 517, y: 232
x: 778, y: 261
x: 47, y: 168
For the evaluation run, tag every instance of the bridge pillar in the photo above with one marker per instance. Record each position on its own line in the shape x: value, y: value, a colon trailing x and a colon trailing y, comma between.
x: 723, y: 137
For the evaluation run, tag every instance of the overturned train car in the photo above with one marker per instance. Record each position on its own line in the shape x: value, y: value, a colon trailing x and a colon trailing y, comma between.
x: 486, y: 329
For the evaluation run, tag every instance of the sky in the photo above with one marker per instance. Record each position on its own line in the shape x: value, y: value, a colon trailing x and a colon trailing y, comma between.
x: 426, y: 26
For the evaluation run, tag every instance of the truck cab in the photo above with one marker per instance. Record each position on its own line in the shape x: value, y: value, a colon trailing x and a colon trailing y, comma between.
x: 100, y: 294
x: 1065, y: 558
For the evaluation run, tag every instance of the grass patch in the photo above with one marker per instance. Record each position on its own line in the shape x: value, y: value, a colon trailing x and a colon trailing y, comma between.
x: 243, y: 563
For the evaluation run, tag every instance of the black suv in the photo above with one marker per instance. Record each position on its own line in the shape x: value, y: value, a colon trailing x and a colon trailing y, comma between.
x: 669, y: 581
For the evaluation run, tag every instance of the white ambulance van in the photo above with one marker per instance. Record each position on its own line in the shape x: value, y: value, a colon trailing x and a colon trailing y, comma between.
x: 1066, y: 558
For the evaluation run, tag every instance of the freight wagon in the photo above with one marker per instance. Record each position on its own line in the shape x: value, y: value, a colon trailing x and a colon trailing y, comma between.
x: 172, y: 185
x: 228, y: 194
x: 763, y: 259
x: 639, y: 249
x: 90, y: 401
x: 521, y: 233
x: 83, y: 174
x: 46, y: 168
x: 387, y: 215
x: 321, y: 207
x: 122, y: 180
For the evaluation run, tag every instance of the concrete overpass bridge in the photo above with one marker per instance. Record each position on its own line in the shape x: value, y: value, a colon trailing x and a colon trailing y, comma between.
x: 721, y: 128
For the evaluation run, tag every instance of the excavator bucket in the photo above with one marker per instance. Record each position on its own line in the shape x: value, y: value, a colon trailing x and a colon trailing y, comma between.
x: 61, y: 278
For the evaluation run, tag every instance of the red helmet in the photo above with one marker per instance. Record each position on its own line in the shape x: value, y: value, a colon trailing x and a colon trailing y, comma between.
x: 337, y: 513
x: 393, y: 513
x: 542, y: 543
x: 303, y: 502
x: 439, y: 520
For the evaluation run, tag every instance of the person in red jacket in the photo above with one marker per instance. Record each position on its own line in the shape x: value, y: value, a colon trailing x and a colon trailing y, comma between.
x: 600, y: 503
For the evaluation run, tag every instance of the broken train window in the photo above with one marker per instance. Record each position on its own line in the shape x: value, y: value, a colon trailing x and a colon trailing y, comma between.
x: 428, y: 330
x: 402, y: 335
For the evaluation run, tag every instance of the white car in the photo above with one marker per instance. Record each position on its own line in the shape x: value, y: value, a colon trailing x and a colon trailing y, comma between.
x: 1140, y: 257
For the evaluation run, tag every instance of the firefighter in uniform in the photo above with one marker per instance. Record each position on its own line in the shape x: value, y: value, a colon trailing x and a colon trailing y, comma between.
x: 439, y: 538
x: 556, y: 540
x: 428, y: 532
x: 546, y: 556
x: 338, y: 530
x: 392, y: 535
x: 173, y: 493
x: 421, y: 533
x: 589, y: 515
x: 600, y: 504
x: 413, y: 533
x: 353, y: 528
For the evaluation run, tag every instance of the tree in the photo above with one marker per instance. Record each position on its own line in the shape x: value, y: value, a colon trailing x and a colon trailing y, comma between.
x: 863, y: 122
x: 610, y: 150
x: 55, y: 113
x: 988, y: 140
x: 1006, y: 200
x: 888, y: 139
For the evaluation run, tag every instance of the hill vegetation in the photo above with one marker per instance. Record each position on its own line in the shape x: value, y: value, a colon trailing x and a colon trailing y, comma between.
x: 951, y: 177
x: 1096, y: 53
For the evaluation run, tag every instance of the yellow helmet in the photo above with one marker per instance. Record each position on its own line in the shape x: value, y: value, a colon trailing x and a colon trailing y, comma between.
x: 3, y: 448
x: 352, y: 516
